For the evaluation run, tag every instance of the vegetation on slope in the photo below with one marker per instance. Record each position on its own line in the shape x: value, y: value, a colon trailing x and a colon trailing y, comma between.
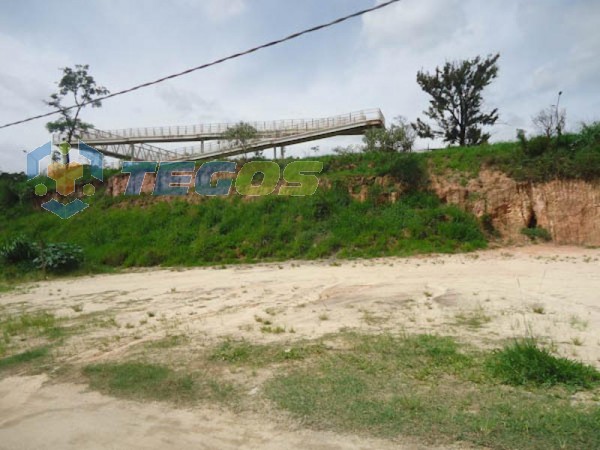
x: 229, y: 230
x: 132, y: 231
x: 539, y: 159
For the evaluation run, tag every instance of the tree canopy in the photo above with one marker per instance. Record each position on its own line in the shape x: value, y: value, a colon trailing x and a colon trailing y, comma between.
x: 79, y: 89
x: 398, y: 137
x: 456, y: 105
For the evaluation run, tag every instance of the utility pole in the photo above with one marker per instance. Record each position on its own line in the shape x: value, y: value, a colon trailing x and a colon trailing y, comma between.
x: 558, y: 125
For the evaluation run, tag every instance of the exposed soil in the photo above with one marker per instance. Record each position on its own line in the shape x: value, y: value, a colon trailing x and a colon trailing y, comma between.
x: 482, y: 298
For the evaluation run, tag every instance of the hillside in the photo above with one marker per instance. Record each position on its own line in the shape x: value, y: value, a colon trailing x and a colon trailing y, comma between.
x: 368, y: 205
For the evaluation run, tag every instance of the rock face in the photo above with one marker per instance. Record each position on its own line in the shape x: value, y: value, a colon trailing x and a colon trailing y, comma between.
x: 117, y: 184
x: 568, y: 209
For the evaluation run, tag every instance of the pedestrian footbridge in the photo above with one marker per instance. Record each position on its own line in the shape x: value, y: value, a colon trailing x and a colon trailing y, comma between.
x: 143, y: 144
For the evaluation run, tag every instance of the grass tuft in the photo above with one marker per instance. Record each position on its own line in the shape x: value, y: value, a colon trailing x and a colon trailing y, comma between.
x: 246, y: 353
x: 524, y: 363
x: 155, y: 382
x: 25, y: 357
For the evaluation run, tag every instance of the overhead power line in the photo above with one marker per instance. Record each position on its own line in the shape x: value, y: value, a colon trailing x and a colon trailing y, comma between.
x: 214, y: 63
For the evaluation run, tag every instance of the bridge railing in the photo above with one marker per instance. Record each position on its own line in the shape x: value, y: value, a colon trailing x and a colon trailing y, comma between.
x: 136, y: 151
x: 264, y: 128
x: 221, y: 146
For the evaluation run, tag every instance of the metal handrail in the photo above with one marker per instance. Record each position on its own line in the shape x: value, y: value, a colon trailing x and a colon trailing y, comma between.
x: 264, y: 128
x: 118, y: 142
x: 140, y: 151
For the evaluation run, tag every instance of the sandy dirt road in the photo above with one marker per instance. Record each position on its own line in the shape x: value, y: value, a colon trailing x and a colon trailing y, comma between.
x: 483, y: 298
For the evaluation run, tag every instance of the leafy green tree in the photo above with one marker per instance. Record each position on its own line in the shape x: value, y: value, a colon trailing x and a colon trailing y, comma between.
x: 399, y: 137
x: 240, y: 135
x: 79, y: 89
x: 456, y: 105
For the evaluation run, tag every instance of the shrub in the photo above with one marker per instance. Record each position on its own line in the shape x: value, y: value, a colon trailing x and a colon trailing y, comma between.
x: 487, y: 223
x: 410, y: 170
x: 8, y: 197
x: 59, y: 257
x: 536, y: 146
x: 587, y: 164
x: 14, y: 189
x: 399, y: 137
x: 537, y: 233
x: 19, y: 250
x: 589, y: 134
x: 524, y: 363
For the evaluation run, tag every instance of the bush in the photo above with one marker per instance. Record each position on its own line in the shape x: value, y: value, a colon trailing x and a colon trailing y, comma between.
x: 487, y: 223
x: 410, y: 170
x: 19, y: 250
x: 523, y: 363
x: 589, y: 134
x: 537, y: 233
x: 14, y: 189
x: 536, y: 146
x: 59, y: 257
x: 544, y: 158
x: 8, y: 197
x: 399, y: 137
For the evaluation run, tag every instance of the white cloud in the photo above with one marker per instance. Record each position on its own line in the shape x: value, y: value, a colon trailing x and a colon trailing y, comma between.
x: 223, y: 9
x: 216, y: 10
x: 184, y: 102
x: 26, y: 79
x: 545, y: 46
x: 415, y: 24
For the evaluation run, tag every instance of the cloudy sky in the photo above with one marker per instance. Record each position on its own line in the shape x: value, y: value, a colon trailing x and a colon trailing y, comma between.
x: 545, y: 46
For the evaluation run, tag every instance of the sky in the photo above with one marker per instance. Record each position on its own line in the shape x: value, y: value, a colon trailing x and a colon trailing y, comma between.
x: 546, y: 46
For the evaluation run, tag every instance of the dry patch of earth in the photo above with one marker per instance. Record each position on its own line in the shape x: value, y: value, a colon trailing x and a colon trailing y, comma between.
x: 481, y: 299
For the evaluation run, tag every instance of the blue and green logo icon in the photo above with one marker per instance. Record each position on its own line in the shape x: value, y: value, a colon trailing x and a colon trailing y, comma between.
x: 65, y: 176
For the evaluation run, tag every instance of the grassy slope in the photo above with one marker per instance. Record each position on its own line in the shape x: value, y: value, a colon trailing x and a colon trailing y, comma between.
x: 129, y: 232
x: 235, y: 230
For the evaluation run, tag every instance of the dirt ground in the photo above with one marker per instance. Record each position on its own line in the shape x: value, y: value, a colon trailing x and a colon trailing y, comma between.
x: 483, y: 299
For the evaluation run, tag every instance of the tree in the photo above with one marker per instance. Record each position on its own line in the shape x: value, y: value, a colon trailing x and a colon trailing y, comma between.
x: 399, y: 137
x: 240, y: 135
x: 457, y: 104
x: 79, y: 88
x: 551, y: 121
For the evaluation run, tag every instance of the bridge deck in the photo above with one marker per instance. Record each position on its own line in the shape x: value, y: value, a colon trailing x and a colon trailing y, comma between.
x: 137, y: 143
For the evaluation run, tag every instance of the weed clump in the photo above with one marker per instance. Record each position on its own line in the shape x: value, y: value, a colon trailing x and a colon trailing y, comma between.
x: 524, y: 363
x: 537, y: 233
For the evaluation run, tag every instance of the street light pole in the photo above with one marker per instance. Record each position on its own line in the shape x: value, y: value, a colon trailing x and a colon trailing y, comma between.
x: 558, y: 125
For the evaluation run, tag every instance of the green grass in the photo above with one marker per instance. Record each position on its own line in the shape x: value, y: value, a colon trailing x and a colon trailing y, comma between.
x: 474, y: 319
x: 537, y: 233
x: 246, y: 353
x: 432, y: 388
x: 29, y: 324
x: 223, y: 231
x: 524, y: 362
x: 573, y: 156
x: 144, y: 231
x: 25, y: 357
x: 167, y: 342
x: 7, y: 287
x: 144, y: 381
x: 16, y: 331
